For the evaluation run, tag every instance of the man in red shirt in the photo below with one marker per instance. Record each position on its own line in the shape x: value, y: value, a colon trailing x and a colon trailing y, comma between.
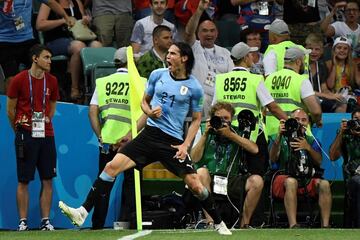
x: 31, y: 103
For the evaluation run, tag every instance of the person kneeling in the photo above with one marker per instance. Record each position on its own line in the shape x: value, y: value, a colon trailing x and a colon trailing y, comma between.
x: 300, y: 155
x: 219, y: 161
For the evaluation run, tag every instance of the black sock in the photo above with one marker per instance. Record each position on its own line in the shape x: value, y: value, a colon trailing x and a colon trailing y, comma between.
x: 100, y: 187
x: 209, y: 205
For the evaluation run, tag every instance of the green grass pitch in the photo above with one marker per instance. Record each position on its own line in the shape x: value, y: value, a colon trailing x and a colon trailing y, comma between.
x: 248, y: 234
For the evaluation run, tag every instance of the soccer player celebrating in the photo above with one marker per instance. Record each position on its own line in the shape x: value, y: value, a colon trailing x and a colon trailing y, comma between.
x: 170, y: 95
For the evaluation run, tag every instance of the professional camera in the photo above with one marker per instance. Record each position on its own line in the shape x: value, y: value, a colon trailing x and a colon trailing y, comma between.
x: 246, y: 122
x: 352, y: 168
x: 299, y: 164
x: 353, y: 124
x: 292, y: 128
x: 217, y: 122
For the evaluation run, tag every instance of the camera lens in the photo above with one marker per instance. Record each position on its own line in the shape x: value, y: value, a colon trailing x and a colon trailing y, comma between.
x: 246, y: 119
x: 216, y: 122
x: 353, y: 125
x: 291, y: 125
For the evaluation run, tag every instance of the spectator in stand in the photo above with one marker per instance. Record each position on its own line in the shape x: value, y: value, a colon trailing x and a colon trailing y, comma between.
x: 142, y: 9
x: 225, y: 10
x: 253, y: 39
x: 141, y: 38
x: 343, y: 76
x: 16, y: 33
x: 323, y: 9
x: 302, y: 18
x: 319, y: 72
x: 58, y: 39
x: 256, y: 15
x: 210, y: 59
x: 112, y: 20
x: 155, y: 57
x: 349, y: 28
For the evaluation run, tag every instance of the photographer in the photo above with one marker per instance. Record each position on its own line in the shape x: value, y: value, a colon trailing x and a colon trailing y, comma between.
x: 299, y: 178
x: 347, y: 144
x: 218, y: 158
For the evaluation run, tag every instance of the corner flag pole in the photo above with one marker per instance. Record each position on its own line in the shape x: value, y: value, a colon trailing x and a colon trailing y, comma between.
x: 137, y: 88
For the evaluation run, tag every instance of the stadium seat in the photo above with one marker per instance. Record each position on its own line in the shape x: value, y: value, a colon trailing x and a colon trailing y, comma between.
x: 92, y: 56
x: 229, y: 33
x: 101, y: 70
x: 54, y: 58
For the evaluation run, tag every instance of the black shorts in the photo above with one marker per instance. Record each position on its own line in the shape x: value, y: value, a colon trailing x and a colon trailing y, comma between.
x: 34, y: 153
x: 153, y: 145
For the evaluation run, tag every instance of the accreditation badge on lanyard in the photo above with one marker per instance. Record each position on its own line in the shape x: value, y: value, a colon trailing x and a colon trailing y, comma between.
x: 37, y: 118
x: 220, y: 185
x: 263, y: 7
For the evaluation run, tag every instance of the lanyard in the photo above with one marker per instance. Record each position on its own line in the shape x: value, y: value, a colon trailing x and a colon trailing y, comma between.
x: 317, y: 76
x: 31, y: 93
x: 13, y: 15
x: 209, y: 60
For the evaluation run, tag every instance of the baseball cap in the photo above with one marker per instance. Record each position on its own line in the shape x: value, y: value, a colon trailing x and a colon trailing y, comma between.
x: 343, y: 40
x: 240, y: 50
x: 278, y: 26
x: 293, y: 53
x: 120, y: 55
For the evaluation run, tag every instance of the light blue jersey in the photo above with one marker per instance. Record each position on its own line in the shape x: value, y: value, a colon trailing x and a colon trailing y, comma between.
x: 21, y: 14
x: 176, y: 97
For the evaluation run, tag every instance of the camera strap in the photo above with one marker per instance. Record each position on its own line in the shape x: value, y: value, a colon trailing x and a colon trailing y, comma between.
x: 37, y: 118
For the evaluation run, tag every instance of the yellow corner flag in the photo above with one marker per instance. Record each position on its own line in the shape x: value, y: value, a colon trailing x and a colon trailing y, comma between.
x: 137, y: 88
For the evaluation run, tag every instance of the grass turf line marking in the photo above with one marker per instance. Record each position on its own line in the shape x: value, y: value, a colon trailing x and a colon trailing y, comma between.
x: 136, y: 235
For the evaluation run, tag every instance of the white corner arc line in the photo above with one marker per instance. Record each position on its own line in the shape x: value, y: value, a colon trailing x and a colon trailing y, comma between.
x: 136, y: 235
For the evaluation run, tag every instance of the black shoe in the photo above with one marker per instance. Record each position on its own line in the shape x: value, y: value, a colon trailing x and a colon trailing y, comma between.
x: 23, y: 225
x: 46, y: 225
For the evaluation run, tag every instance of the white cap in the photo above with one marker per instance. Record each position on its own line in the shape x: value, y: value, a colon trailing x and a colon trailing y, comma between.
x: 343, y: 40
x: 240, y: 50
x: 293, y: 53
x: 278, y: 26
x: 120, y: 55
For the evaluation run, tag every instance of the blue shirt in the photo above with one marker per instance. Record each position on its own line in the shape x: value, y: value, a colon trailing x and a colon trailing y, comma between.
x: 8, y: 32
x: 176, y: 97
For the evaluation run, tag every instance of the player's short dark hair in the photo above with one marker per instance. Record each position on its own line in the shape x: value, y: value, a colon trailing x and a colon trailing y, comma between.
x: 159, y: 29
x: 37, y: 49
x: 185, y: 50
